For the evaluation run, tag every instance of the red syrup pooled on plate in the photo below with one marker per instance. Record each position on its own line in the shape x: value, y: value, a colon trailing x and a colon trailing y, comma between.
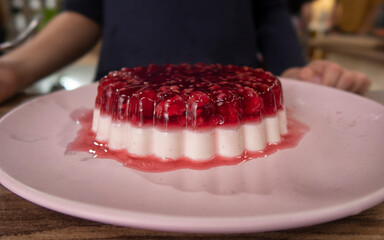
x: 85, y: 142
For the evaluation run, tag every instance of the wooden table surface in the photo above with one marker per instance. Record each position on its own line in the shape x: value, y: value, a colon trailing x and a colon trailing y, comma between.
x: 21, y: 219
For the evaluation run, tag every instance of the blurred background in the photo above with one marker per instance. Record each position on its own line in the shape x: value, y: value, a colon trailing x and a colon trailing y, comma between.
x: 349, y: 32
x: 15, y: 18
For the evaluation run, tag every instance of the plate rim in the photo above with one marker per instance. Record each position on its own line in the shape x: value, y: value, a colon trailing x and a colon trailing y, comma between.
x: 227, y: 225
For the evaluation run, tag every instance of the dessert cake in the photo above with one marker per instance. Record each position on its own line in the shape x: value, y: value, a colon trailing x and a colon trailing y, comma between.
x: 188, y: 111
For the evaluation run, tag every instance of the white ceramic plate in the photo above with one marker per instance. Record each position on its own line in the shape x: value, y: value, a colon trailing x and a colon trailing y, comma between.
x: 337, y: 170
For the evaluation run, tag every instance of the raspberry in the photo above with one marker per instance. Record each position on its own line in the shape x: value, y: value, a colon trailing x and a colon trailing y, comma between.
x: 120, y: 108
x: 266, y: 93
x: 228, y: 106
x: 171, y: 106
x: 108, y: 94
x: 251, y: 101
x: 141, y: 106
x: 199, y: 98
x: 169, y: 109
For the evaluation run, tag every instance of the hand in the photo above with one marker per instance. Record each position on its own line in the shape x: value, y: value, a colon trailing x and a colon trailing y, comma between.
x: 330, y: 74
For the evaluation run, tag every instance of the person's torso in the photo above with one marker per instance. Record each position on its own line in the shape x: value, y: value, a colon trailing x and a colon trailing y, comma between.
x: 141, y: 32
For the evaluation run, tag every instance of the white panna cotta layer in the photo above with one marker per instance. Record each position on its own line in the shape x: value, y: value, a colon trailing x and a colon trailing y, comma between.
x: 198, y: 145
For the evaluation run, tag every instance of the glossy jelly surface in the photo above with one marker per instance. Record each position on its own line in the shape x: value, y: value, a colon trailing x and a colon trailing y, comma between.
x: 189, y: 96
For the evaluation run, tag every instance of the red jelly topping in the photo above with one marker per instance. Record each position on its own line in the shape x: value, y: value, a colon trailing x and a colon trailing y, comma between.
x: 187, y: 95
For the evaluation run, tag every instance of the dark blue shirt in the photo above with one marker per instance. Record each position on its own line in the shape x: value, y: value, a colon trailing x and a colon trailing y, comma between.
x: 141, y: 32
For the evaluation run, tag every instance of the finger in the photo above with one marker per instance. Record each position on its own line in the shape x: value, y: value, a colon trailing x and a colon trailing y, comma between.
x: 347, y: 81
x: 331, y: 75
x: 362, y: 83
x: 318, y: 66
x: 307, y: 74
x: 290, y: 73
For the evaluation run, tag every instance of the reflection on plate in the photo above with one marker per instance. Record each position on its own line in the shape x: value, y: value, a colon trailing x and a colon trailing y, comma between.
x: 337, y: 170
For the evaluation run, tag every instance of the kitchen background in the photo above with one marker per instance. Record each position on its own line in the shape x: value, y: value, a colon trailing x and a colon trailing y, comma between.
x: 349, y: 32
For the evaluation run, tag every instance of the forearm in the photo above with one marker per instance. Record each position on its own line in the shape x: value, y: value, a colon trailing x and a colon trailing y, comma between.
x: 64, y: 39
